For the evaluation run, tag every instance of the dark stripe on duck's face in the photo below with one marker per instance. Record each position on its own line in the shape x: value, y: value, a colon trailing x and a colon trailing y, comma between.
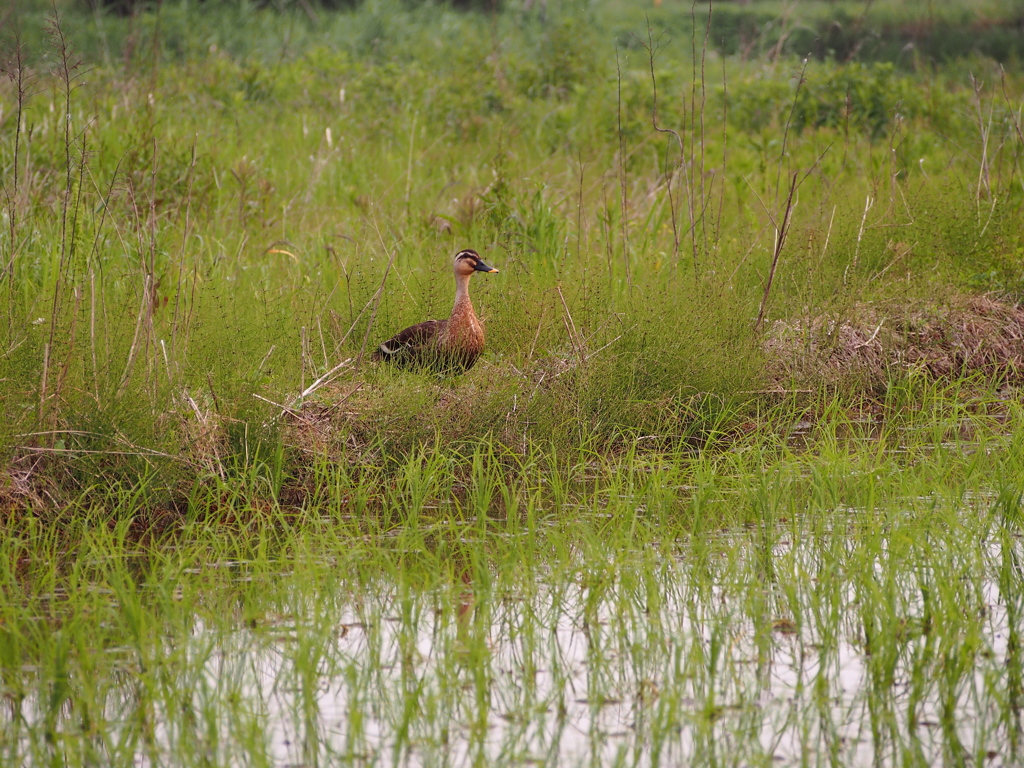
x: 474, y: 258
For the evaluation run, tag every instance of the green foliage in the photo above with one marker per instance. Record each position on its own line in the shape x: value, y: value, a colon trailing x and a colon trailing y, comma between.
x: 210, y: 238
x: 227, y: 537
x: 904, y: 34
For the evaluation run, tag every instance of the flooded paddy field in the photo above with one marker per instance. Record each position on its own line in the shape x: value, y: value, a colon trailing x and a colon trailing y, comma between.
x: 846, y: 606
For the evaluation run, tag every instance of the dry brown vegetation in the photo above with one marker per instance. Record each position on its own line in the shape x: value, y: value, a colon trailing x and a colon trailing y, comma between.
x: 960, y: 337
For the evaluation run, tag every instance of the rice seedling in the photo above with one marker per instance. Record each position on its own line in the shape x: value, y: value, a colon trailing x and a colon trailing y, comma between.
x: 845, y: 605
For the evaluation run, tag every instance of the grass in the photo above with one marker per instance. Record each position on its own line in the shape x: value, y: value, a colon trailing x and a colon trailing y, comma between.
x: 634, y: 533
x: 217, y: 227
x: 829, y: 602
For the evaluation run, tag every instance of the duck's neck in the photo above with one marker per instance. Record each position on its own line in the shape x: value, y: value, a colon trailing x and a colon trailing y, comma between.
x: 461, y: 293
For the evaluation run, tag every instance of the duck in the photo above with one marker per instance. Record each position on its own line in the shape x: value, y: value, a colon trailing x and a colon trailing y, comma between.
x: 449, y: 346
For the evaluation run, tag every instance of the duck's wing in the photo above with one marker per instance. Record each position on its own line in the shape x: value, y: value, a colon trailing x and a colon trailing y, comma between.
x: 409, y: 344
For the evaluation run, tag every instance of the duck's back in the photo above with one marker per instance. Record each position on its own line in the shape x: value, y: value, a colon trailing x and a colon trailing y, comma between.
x: 409, y: 347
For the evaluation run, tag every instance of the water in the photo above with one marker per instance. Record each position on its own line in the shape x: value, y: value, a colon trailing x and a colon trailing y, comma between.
x: 711, y: 656
x: 851, y: 639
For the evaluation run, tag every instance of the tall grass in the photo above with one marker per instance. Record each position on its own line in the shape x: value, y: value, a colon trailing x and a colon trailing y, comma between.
x: 188, y: 229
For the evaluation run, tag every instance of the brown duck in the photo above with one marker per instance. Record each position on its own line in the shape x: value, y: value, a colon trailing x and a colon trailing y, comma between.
x: 447, y: 346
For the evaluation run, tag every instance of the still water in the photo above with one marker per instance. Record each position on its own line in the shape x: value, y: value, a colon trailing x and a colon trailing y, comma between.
x: 753, y: 650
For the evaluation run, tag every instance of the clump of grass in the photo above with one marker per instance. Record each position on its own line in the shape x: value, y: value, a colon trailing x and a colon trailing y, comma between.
x: 961, y: 338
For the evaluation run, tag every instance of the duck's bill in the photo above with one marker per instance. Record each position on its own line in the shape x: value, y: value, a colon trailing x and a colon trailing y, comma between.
x: 481, y: 267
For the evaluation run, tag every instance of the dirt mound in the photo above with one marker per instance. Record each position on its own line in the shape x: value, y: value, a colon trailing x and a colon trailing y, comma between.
x: 976, y: 335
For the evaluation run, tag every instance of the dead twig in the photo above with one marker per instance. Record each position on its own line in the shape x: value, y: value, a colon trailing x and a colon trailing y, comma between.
x: 780, y: 241
x: 873, y: 336
x: 570, y: 327
x: 327, y: 377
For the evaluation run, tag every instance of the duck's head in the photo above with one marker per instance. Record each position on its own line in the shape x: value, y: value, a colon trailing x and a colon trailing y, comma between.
x: 468, y: 261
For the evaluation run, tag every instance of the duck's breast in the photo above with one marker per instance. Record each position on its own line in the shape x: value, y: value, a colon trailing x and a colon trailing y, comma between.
x: 464, y: 331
